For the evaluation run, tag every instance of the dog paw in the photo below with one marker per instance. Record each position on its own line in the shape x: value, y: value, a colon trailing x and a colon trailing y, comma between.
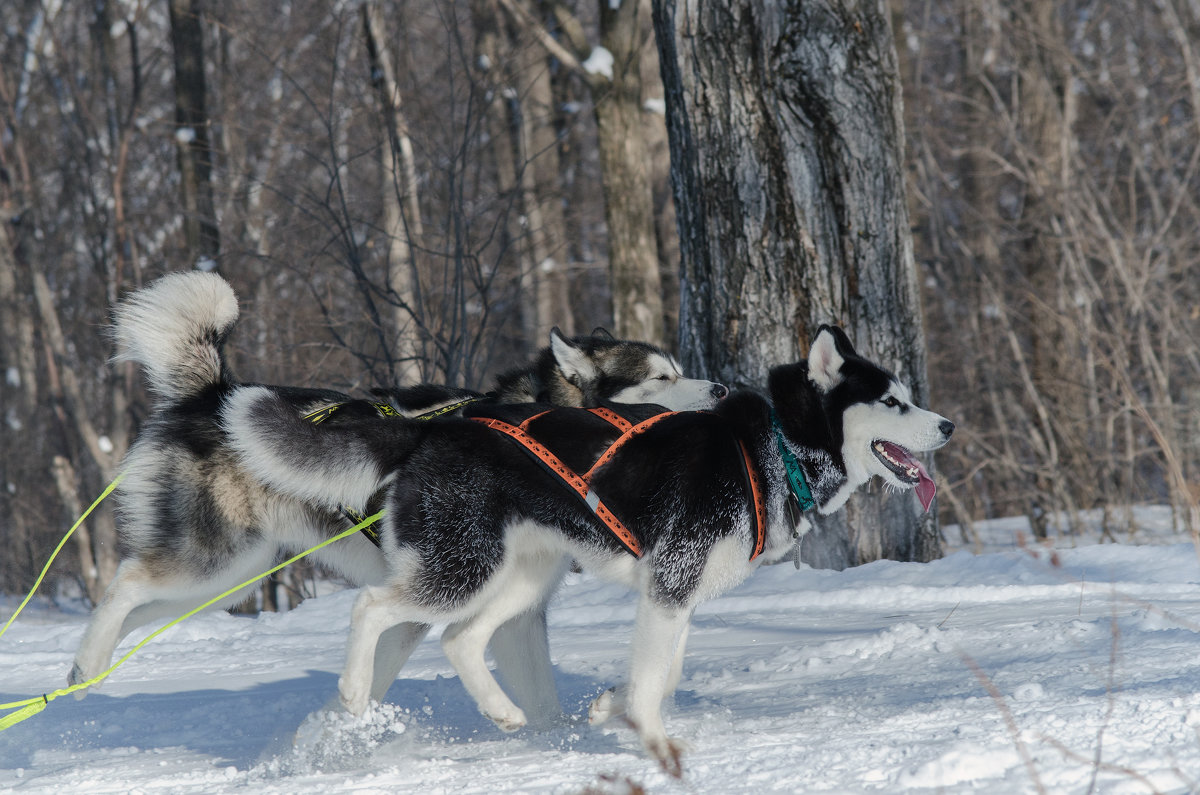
x: 354, y: 698
x: 78, y: 677
x: 607, y: 705
x: 669, y: 754
x: 508, y: 722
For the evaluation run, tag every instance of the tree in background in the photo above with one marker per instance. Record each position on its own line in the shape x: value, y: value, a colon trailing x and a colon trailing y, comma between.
x: 202, y: 237
x: 787, y: 161
x: 1055, y: 176
x: 1052, y: 175
x: 613, y: 73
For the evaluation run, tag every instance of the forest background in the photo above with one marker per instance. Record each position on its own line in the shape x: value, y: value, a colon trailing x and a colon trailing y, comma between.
x: 402, y: 190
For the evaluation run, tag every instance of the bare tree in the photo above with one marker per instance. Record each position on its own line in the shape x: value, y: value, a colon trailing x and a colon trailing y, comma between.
x: 787, y: 160
x: 613, y: 73
x: 402, y: 210
x: 192, y: 134
x: 1056, y: 183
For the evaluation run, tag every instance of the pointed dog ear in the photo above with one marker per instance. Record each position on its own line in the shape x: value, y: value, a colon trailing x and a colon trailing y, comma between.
x: 602, y: 333
x: 826, y: 357
x: 576, y: 366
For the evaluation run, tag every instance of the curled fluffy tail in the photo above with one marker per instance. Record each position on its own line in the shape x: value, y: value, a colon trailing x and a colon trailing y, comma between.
x: 176, y: 328
x: 332, y: 463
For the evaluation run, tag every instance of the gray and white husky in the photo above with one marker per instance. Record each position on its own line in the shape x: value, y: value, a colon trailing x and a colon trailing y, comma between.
x: 476, y: 530
x: 192, y: 522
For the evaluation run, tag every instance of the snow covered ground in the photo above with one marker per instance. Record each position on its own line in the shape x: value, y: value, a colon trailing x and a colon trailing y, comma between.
x: 1076, y: 670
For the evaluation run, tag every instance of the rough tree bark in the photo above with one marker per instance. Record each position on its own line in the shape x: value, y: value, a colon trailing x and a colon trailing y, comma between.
x: 625, y: 161
x: 202, y: 239
x: 613, y: 73
x: 787, y: 163
x: 401, y: 208
x: 541, y: 205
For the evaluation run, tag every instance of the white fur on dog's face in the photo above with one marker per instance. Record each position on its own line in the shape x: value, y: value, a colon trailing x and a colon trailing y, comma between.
x: 880, y: 434
x: 666, y: 386
x: 881, y: 438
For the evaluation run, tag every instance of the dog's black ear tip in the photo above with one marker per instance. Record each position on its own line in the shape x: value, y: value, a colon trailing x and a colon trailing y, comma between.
x: 602, y: 333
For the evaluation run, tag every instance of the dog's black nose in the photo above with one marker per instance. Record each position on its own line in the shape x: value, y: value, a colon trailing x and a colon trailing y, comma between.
x: 946, y: 427
x: 719, y: 391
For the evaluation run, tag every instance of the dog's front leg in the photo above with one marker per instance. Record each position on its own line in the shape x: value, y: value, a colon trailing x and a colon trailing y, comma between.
x: 658, y: 633
x: 611, y: 703
x: 377, y: 609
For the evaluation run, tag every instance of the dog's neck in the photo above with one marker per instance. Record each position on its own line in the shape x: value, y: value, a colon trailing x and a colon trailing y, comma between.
x: 827, y: 481
x: 809, y: 435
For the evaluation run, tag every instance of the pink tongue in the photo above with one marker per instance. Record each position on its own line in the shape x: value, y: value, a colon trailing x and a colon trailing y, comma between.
x: 925, y: 487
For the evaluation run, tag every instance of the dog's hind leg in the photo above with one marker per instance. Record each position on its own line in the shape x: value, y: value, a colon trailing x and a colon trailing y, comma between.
x: 377, y: 610
x: 525, y: 583
x: 103, y: 631
x: 521, y: 648
x: 127, y: 597
x: 395, y: 646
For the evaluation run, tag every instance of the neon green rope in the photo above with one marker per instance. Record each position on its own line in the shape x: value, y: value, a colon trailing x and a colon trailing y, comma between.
x: 29, y: 707
x: 57, y: 549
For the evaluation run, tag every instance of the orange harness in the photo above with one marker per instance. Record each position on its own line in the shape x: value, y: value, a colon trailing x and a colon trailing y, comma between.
x: 581, y: 484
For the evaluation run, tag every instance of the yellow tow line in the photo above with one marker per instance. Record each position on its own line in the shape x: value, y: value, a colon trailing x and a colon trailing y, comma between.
x: 29, y: 707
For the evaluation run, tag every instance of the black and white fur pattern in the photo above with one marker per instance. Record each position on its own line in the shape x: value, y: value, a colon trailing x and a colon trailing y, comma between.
x: 475, y: 532
x: 194, y: 523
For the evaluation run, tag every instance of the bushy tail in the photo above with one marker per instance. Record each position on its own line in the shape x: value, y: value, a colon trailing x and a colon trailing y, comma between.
x: 176, y: 328
x: 332, y: 463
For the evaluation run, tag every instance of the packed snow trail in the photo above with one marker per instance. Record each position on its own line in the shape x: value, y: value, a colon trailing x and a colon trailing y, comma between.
x: 887, y: 677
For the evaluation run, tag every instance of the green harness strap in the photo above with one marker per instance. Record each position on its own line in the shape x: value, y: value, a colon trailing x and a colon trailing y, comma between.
x: 385, y: 410
x: 107, y: 491
x: 29, y: 707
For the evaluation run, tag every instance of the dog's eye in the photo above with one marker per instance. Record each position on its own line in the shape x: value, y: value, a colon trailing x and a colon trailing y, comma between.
x: 891, y: 402
x: 663, y: 378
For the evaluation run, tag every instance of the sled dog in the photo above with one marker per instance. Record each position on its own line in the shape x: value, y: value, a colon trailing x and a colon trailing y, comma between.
x: 192, y: 522
x: 477, y: 528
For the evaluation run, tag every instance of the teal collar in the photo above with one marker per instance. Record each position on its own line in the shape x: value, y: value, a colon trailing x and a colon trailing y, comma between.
x: 795, y: 473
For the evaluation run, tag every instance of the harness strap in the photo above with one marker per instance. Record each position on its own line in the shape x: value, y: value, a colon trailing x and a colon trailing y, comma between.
x: 525, y: 425
x: 429, y: 415
x: 371, y: 529
x: 613, y: 418
x: 630, y: 432
x: 579, y: 485
x: 759, y: 500
x: 322, y: 414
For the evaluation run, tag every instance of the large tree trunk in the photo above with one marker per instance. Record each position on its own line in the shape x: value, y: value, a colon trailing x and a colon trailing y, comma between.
x: 401, y: 209
x: 787, y: 162
x: 625, y: 161
x: 538, y: 172
x: 613, y: 73
x: 191, y: 135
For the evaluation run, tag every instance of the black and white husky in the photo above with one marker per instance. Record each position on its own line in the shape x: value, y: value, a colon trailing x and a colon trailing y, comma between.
x: 194, y: 523
x: 476, y: 530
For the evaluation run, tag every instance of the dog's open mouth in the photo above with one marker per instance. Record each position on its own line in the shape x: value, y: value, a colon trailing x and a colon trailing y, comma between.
x: 906, y: 468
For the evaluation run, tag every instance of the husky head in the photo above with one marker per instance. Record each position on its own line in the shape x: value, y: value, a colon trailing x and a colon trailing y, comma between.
x: 859, y: 417
x: 591, y: 370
